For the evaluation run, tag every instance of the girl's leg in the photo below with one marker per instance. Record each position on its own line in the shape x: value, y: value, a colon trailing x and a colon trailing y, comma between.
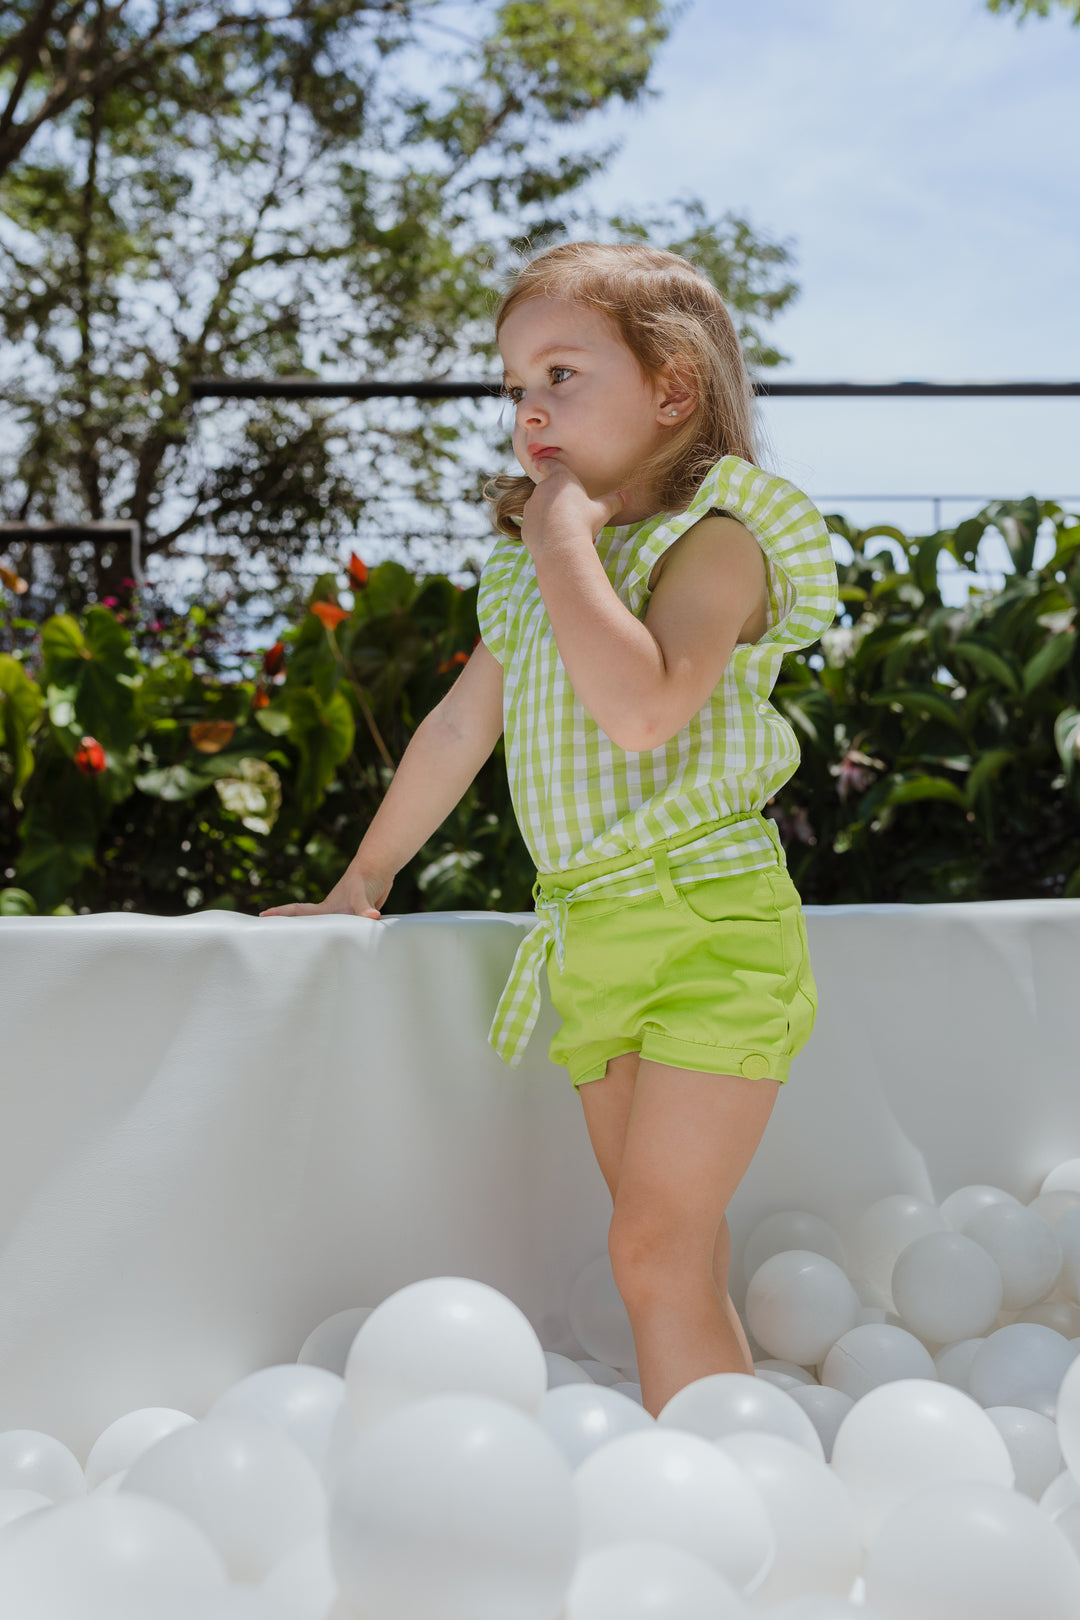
x: 689, y: 1139
x: 607, y: 1103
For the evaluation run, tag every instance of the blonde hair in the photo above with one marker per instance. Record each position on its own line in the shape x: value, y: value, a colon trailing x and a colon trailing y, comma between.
x: 667, y: 313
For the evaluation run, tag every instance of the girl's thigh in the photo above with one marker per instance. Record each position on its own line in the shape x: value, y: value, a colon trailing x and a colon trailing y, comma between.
x: 607, y: 1103
x: 689, y: 1141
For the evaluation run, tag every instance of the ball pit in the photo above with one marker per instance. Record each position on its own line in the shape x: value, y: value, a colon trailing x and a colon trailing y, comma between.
x: 427, y: 1458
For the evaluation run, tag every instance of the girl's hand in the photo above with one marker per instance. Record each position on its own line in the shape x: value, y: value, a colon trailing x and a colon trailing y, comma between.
x: 560, y: 510
x: 357, y: 894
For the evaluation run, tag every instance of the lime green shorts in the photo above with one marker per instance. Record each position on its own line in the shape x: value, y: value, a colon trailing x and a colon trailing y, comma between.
x: 711, y: 976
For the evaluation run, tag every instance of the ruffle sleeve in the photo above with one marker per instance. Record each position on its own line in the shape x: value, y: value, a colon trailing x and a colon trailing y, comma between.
x: 801, y: 570
x: 492, y: 597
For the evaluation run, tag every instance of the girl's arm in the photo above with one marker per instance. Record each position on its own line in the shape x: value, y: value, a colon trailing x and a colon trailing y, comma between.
x: 444, y: 755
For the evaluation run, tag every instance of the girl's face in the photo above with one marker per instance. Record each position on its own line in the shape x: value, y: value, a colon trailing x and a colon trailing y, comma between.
x: 581, y: 400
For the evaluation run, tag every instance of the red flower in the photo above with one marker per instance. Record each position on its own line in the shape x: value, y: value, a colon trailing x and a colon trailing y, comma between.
x: 329, y: 613
x: 90, y: 756
x: 458, y: 658
x: 274, y: 659
x: 357, y: 571
x: 261, y: 699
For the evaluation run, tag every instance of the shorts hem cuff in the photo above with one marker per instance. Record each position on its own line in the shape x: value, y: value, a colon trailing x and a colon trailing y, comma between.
x: 682, y: 1054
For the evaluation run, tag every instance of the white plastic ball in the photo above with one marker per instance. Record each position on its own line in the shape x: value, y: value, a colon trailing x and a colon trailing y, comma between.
x: 813, y: 1516
x: 562, y: 1370
x: 1064, y: 1177
x: 781, y: 1380
x: 904, y: 1437
x: 826, y: 1408
x: 946, y: 1287
x: 798, y: 1304
x: 966, y: 1201
x: 790, y: 1368
x: 440, y: 1336
x: 723, y: 1404
x: 597, y: 1316
x: 329, y: 1344
x: 248, y: 1486
x: 882, y: 1232
x: 108, y: 1558
x: 876, y: 1353
x: 1033, y: 1446
x: 1062, y: 1491
x: 33, y: 1461
x: 1020, y: 1365
x: 128, y: 1437
x: 824, y: 1606
x: 1023, y: 1246
x: 458, y: 1507
x: 16, y: 1504
x: 1067, y: 1232
x: 1053, y: 1205
x: 953, y: 1362
x: 972, y: 1551
x: 300, y: 1401
x: 791, y: 1229
x: 650, y: 1580
x: 1068, y: 1417
x: 301, y: 1586
x: 1057, y: 1314
x: 600, y: 1372
x: 663, y: 1485
x: 581, y: 1418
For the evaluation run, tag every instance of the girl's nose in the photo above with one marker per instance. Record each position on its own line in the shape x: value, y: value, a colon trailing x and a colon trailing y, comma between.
x: 531, y: 414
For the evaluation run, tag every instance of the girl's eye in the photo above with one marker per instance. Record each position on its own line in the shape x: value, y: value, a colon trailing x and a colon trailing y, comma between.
x: 515, y: 394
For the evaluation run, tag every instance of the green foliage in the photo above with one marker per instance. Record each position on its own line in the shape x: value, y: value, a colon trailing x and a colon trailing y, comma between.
x: 239, y: 794
x: 1036, y: 8
x: 940, y: 745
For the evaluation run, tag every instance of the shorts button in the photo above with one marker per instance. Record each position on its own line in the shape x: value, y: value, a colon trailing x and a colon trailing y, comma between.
x: 755, y: 1067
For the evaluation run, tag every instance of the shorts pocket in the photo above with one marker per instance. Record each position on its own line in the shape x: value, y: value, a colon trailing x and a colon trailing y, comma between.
x: 745, y: 897
x: 799, y: 977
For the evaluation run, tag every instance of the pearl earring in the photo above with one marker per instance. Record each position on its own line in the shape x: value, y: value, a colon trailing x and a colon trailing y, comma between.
x: 673, y: 413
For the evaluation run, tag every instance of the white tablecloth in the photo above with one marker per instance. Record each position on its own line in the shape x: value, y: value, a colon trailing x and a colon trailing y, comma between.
x: 217, y: 1130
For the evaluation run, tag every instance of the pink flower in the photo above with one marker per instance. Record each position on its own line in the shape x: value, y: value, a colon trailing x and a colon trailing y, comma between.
x: 110, y: 601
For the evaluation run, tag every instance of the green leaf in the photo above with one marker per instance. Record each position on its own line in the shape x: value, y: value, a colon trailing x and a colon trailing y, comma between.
x: 324, y: 734
x: 1052, y: 656
x: 985, y: 661
x: 922, y: 700
x: 275, y: 721
x: 985, y: 768
x: 1067, y: 739
x: 923, y: 787
x: 17, y: 903
x: 21, y: 706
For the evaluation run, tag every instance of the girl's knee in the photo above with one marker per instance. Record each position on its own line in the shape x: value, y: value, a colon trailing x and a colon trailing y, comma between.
x: 650, y: 1260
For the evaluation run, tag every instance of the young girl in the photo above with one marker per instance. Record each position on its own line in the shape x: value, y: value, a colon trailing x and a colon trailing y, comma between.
x: 648, y: 579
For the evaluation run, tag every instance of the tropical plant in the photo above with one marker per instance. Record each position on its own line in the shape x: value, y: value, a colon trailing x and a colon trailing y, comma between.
x: 940, y: 744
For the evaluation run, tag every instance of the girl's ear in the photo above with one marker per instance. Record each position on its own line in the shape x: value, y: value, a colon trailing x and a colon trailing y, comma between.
x: 676, y: 397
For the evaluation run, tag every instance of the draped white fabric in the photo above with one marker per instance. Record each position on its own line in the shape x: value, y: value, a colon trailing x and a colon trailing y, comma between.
x: 217, y: 1130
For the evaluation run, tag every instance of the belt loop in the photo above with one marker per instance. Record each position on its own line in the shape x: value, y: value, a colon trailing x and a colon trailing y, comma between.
x: 663, y: 875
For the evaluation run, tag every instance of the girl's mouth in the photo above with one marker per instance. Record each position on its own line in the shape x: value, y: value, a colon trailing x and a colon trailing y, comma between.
x: 537, y: 452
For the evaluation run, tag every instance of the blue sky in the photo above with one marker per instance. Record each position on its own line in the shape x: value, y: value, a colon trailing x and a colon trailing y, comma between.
x: 923, y: 156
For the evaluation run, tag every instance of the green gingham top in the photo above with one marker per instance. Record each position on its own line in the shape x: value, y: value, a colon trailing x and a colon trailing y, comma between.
x: 579, y: 798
